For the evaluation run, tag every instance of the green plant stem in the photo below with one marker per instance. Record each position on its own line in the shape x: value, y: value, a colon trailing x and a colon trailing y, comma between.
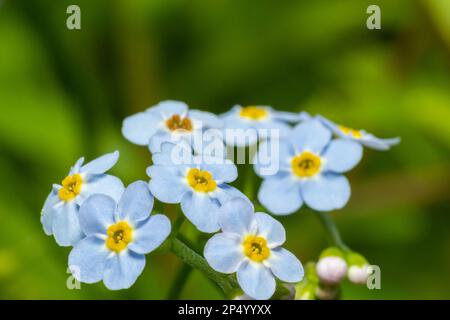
x: 333, y: 233
x: 226, y: 282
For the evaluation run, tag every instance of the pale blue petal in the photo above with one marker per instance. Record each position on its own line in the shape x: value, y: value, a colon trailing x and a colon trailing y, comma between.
x: 224, y: 252
x: 48, y: 211
x: 222, y: 170
x: 373, y: 142
x: 285, y: 266
x: 237, y: 216
x: 87, y: 259
x: 225, y: 193
x: 326, y: 192
x: 173, y: 154
x: 238, y: 132
x: 201, y: 210
x: 102, y: 164
x: 286, y: 116
x: 272, y: 129
x: 342, y: 155
x: 209, y: 143
x: 101, y: 184
x: 168, y: 108
x: 270, y: 229
x: 273, y: 156
x: 161, y: 137
x: 150, y: 234
x: 123, y: 269
x: 256, y: 280
x: 77, y: 166
x: 140, y: 127
x: 136, y: 203
x: 310, y: 135
x: 207, y: 119
x: 280, y: 194
x: 167, y: 184
x: 66, y: 225
x: 96, y: 214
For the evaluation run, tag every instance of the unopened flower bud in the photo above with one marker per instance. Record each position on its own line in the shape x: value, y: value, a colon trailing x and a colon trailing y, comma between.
x: 331, y: 267
x: 358, y: 270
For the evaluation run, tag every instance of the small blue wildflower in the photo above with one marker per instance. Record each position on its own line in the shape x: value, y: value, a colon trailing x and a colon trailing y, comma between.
x: 360, y: 136
x: 257, y: 121
x: 60, y: 212
x: 198, y: 182
x: 250, y: 244
x: 310, y: 167
x: 117, y: 237
x: 168, y: 121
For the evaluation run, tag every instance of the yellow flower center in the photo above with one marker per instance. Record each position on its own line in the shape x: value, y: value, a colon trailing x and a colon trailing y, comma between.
x: 256, y: 248
x: 71, y: 187
x: 350, y: 132
x: 306, y: 164
x: 178, y: 123
x: 253, y: 113
x: 119, y: 236
x: 201, y: 180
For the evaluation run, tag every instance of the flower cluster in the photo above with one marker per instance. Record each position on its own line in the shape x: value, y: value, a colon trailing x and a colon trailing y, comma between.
x: 111, y: 228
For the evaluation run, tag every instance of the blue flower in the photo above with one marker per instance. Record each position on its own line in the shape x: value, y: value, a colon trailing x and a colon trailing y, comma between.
x: 250, y: 244
x: 310, y: 167
x: 198, y: 182
x: 245, y: 125
x: 60, y: 212
x: 168, y: 121
x: 360, y: 136
x: 117, y: 237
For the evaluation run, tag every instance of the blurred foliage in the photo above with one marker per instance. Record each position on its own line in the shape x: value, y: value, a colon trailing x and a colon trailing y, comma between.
x: 64, y: 93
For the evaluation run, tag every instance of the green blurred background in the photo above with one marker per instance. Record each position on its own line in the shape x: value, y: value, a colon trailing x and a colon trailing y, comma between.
x: 64, y: 94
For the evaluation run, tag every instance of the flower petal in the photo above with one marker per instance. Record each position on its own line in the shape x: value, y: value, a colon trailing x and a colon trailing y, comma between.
x: 224, y: 252
x: 273, y: 156
x: 327, y: 192
x: 271, y: 229
x: 222, y: 170
x: 206, y: 119
x: 280, y: 194
x: 167, y: 184
x: 136, y: 203
x: 87, y: 259
x: 285, y: 266
x: 48, y: 211
x: 150, y: 234
x: 370, y: 141
x: 101, y: 184
x: 225, y: 193
x: 161, y: 137
x: 66, y: 225
x: 173, y: 154
x: 310, y: 135
x: 168, y: 108
x: 77, y: 166
x: 123, y: 269
x: 201, y: 210
x: 342, y: 155
x: 286, y: 116
x: 140, y: 127
x: 102, y: 164
x: 256, y: 280
x: 236, y: 216
x: 96, y: 214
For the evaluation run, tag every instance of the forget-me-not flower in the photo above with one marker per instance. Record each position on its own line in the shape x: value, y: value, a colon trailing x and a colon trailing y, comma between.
x: 250, y: 244
x: 198, y: 182
x: 254, y: 122
x: 60, y: 212
x: 168, y: 121
x: 310, y: 170
x: 118, y: 235
x: 360, y: 136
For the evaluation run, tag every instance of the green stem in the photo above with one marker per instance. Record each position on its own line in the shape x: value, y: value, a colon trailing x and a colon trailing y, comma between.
x: 180, y: 281
x: 333, y: 233
x: 226, y: 282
